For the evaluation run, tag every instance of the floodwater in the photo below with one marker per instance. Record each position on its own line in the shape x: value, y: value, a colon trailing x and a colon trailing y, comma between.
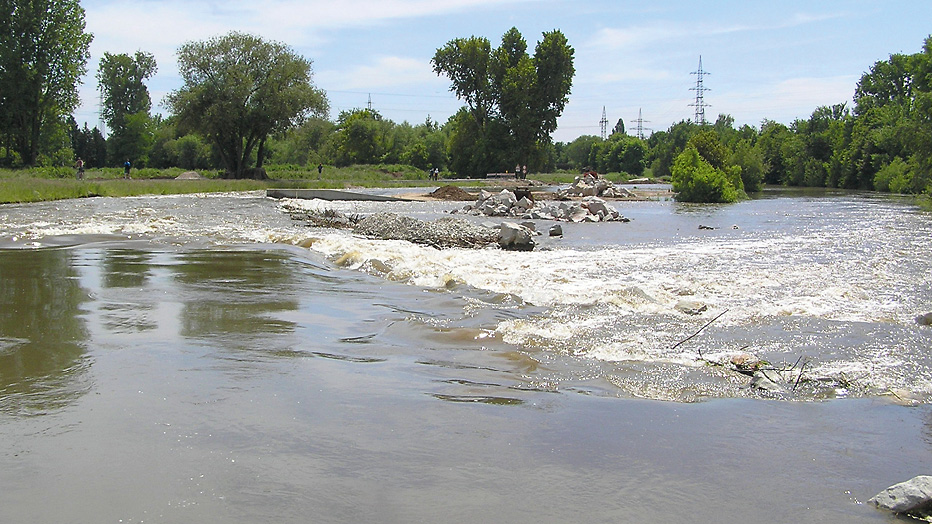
x: 206, y: 359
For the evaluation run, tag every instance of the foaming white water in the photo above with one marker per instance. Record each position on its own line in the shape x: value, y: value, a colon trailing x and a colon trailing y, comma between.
x: 835, y: 281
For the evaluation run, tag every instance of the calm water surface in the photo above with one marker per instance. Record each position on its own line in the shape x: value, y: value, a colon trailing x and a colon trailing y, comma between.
x: 207, y: 359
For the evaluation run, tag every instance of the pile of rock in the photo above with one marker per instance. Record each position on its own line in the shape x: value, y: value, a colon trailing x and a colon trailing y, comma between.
x: 446, y: 232
x: 506, y: 204
x: 591, y: 184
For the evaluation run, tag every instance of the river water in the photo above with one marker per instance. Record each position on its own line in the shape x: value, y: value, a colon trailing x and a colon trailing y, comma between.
x: 205, y: 358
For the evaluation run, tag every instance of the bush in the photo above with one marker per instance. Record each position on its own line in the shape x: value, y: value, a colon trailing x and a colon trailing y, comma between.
x: 695, y: 180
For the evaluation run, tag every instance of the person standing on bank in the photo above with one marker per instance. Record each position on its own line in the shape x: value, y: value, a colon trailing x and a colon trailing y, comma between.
x: 126, y: 167
x: 79, y: 165
x: 320, y: 170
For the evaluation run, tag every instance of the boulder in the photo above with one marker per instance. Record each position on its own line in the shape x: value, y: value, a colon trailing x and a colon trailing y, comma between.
x: 914, y: 495
x: 690, y: 307
x: 924, y: 320
x: 556, y: 230
x: 515, y: 237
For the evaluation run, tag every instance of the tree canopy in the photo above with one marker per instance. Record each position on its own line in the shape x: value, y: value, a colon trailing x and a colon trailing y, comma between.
x: 43, y: 54
x: 239, y: 89
x: 513, y: 100
x: 126, y: 104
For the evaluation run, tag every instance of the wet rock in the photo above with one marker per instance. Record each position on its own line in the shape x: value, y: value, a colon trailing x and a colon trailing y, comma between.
x: 912, y: 496
x: 690, y: 307
x: 924, y: 320
x: 506, y: 204
x: 556, y: 230
x: 441, y: 233
x: 762, y: 379
x: 746, y: 363
x: 515, y: 237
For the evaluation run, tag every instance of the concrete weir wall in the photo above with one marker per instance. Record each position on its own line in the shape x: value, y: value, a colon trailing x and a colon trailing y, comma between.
x: 327, y: 194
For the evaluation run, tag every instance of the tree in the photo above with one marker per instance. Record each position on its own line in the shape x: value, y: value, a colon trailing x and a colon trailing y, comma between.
x: 619, y: 127
x: 120, y: 79
x: 239, y: 89
x: 506, y: 90
x: 43, y: 54
x: 361, y: 138
x: 695, y: 180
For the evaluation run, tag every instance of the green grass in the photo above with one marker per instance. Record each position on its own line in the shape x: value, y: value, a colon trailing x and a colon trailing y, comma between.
x: 57, y: 183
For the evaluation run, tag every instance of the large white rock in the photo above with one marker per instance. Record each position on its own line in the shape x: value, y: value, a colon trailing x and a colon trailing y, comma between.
x: 913, y: 495
x: 515, y: 236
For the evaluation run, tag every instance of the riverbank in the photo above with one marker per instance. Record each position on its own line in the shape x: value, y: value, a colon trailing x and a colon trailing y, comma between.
x: 46, y: 184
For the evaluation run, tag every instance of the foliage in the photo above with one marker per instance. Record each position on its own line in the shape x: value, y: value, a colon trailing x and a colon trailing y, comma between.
x: 43, y: 54
x: 126, y: 105
x: 239, y: 89
x: 120, y: 81
x: 696, y: 180
x: 512, y: 100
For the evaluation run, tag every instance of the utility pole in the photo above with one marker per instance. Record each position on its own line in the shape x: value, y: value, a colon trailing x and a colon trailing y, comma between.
x: 604, y: 123
x: 700, y: 90
x: 640, y: 122
x: 369, y: 105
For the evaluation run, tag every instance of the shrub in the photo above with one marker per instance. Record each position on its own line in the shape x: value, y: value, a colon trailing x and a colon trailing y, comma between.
x: 695, y: 180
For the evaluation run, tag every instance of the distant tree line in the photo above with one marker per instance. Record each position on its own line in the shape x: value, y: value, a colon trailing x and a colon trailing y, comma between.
x: 246, y: 102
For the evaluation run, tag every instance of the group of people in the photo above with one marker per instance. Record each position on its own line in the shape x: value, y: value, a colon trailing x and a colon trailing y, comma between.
x: 79, y: 166
x: 520, y: 171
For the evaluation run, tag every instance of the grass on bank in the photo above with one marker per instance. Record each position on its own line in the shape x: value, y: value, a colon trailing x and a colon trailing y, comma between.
x: 57, y: 183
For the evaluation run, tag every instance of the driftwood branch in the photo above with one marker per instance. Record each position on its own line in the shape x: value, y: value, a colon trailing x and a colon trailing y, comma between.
x: 707, y: 324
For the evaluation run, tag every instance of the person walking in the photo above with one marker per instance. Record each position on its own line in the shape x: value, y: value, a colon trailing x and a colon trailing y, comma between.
x: 126, y: 167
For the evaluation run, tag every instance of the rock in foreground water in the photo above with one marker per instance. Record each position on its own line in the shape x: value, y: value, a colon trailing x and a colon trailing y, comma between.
x: 912, y: 496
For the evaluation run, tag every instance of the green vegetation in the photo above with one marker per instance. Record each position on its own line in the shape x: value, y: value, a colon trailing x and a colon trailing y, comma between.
x: 50, y: 183
x: 248, y: 102
x: 513, y: 100
x: 239, y: 89
x: 43, y: 54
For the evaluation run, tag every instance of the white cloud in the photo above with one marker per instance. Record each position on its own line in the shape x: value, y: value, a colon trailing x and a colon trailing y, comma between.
x: 385, y: 71
x: 786, y: 100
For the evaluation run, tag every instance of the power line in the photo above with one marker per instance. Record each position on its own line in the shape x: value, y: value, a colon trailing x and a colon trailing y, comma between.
x: 700, y: 90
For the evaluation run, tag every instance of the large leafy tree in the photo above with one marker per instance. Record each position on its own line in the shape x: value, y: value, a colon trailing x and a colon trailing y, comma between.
x: 121, y: 80
x: 506, y: 90
x: 43, y: 54
x: 238, y: 90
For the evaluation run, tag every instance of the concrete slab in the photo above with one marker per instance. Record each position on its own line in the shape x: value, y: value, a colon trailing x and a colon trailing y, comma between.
x: 329, y: 194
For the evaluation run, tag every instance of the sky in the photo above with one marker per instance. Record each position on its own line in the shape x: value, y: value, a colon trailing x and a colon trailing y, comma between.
x: 776, y: 60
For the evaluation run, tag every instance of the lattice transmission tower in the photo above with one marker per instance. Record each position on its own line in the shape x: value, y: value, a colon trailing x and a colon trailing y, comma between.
x: 700, y: 90
x: 640, y: 123
x: 603, y: 124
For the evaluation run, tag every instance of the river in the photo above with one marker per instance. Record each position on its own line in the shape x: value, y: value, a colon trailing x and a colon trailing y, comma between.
x: 205, y: 358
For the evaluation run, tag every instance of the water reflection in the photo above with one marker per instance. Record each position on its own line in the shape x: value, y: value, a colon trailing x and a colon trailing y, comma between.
x: 126, y: 268
x: 42, y: 334
x: 237, y: 293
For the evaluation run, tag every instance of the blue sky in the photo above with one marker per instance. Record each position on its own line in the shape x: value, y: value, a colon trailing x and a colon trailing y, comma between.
x: 777, y: 60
